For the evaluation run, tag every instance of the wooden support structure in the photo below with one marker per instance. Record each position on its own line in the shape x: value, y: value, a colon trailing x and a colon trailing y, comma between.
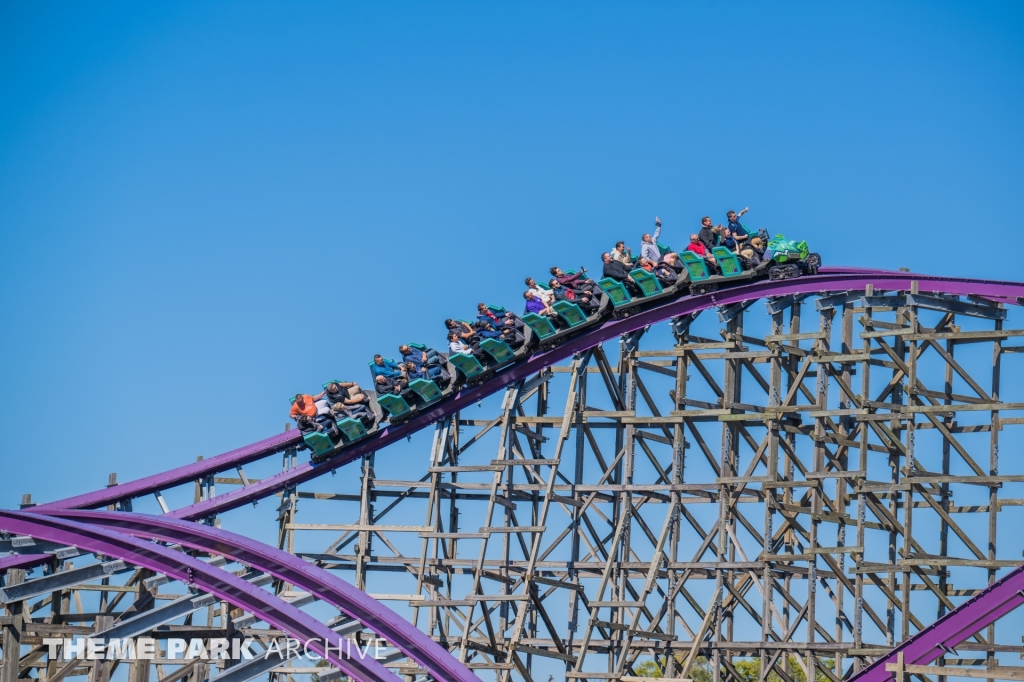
x: 778, y: 495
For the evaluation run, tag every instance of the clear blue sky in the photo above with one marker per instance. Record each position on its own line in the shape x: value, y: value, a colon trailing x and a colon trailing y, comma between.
x: 206, y: 207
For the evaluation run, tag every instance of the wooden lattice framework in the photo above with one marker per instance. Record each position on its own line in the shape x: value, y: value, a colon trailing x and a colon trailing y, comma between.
x: 629, y: 511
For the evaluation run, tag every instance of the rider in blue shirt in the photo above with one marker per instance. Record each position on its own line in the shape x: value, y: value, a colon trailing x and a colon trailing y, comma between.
x: 384, y: 368
x: 739, y: 233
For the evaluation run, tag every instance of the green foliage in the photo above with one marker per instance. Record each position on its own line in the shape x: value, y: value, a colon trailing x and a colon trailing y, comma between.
x: 749, y: 670
x: 648, y: 669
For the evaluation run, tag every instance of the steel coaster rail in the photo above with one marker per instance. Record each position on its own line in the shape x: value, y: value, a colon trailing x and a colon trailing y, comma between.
x: 959, y: 624
x: 249, y: 453
x: 184, y: 474
x: 192, y: 571
x: 941, y: 637
x: 827, y: 283
x: 415, y: 643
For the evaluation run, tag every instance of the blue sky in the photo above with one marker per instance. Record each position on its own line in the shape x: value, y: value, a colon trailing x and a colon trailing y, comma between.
x: 206, y: 207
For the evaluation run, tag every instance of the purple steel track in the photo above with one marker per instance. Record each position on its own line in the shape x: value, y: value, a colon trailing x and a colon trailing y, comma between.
x: 190, y: 570
x: 416, y: 644
x: 831, y: 282
x: 24, y: 561
x: 952, y: 629
x: 184, y: 474
x: 975, y: 614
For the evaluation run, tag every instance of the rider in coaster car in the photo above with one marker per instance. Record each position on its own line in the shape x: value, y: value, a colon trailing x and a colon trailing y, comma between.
x: 307, y: 425
x: 667, y: 271
x: 581, y: 298
x: 649, y: 245
x: 395, y: 386
x: 512, y: 335
x: 304, y: 405
x: 697, y: 247
x: 622, y: 254
x: 458, y: 346
x: 464, y: 332
x: 428, y: 356
x: 542, y: 294
x: 360, y: 412
x: 538, y: 307
x: 751, y: 252
x: 739, y: 233
x: 574, y: 281
x: 325, y: 419
x: 483, y: 314
x: 437, y: 374
x: 708, y: 234
x: 485, y: 328
x: 345, y: 392
x: 613, y: 269
x: 515, y: 320
x: 382, y: 367
x: 728, y: 240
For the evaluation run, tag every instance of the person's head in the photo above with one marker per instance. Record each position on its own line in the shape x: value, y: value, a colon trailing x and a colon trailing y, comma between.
x: 452, y: 336
x: 404, y: 350
x: 727, y: 232
x: 381, y: 379
x: 528, y: 295
x: 706, y: 221
x: 333, y: 388
x: 304, y: 422
x: 449, y: 323
x: 554, y: 284
x: 378, y: 360
x: 556, y: 272
x: 756, y: 242
x: 300, y: 399
x: 694, y: 238
x: 646, y: 238
x: 606, y: 257
x: 621, y: 246
x: 337, y: 408
x: 731, y: 215
x: 410, y: 367
x: 642, y: 262
x: 530, y: 282
x: 670, y: 257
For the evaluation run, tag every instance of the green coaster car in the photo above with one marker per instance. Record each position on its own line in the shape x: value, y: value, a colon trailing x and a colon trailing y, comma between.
x: 789, y: 258
x: 322, y: 447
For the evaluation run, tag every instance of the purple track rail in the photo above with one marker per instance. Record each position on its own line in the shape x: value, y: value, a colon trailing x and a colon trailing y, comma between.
x: 826, y: 283
x: 224, y: 585
x: 183, y: 474
x: 416, y: 644
x: 956, y: 626
x: 974, y: 615
x: 829, y: 281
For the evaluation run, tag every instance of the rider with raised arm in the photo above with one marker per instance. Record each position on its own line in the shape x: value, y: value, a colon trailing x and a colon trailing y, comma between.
x: 649, y: 244
x: 739, y: 233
